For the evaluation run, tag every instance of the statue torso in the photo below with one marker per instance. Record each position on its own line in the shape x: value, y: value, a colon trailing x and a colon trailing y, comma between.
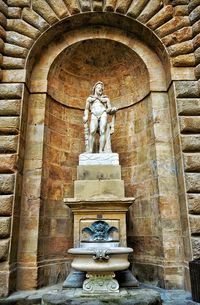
x: 98, y: 105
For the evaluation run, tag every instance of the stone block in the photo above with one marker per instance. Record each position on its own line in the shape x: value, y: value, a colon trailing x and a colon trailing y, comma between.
x: 8, y: 144
x: 6, y: 202
x: 197, y: 71
x: 15, y: 51
x: 22, y: 27
x: 165, y: 14
x: 1, y: 45
x: 178, y: 36
x: 3, y: 7
x: 3, y: 20
x: 192, y: 182
x: 5, y: 227
x: 150, y: 10
x: 14, y: 12
x: 98, y: 5
x: 7, y: 163
x: 136, y: 8
x: 196, y: 28
x: 4, y: 247
x: 172, y: 25
x: 43, y: 9
x: 185, y: 89
x: 195, y: 247
x: 13, y: 63
x: 122, y: 6
x: 179, y: 2
x: 10, y: 91
x: 20, y: 3
x: 59, y: 7
x: 188, y: 106
x: 7, y: 183
x: 181, y: 10
x: 19, y: 39
x: 85, y: 5
x: 194, y: 203
x: 73, y: 6
x: 9, y: 125
x: 194, y: 224
x: 4, y: 283
x: 190, y: 143
x: 34, y: 19
x: 190, y: 124
x: 194, y: 15
x: 88, y: 189
x: 193, y: 4
x: 181, y: 48
x: 192, y: 162
x: 14, y: 76
x: 110, y: 5
x: 2, y: 33
x: 196, y: 41
x: 98, y: 172
x: 186, y: 60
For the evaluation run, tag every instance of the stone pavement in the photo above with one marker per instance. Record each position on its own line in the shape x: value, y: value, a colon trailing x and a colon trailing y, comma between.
x: 169, y: 297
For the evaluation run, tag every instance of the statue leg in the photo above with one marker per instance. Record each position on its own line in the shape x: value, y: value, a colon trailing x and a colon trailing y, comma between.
x: 93, y: 130
x: 102, y: 127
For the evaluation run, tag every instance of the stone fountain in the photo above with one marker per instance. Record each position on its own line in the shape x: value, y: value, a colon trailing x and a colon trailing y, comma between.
x: 99, y: 205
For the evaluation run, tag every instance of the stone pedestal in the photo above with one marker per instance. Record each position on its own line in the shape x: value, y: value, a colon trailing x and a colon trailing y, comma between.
x: 103, y: 282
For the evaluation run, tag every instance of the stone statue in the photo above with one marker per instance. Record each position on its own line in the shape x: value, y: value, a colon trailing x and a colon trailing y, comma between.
x: 99, y: 105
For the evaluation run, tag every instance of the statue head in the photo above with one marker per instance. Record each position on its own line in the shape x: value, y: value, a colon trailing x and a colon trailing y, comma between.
x: 98, y: 88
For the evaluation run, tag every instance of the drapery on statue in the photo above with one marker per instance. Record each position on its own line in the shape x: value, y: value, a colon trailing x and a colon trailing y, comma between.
x: 99, y: 105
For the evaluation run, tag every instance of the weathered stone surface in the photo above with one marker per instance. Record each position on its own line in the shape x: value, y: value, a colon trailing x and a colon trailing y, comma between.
x: 98, y: 172
x: 136, y: 8
x: 194, y: 15
x: 7, y: 163
x: 99, y: 159
x: 190, y: 143
x: 197, y: 55
x: 9, y: 124
x: 73, y: 6
x: 6, y: 202
x: 10, y: 91
x: 1, y: 45
x: 85, y: 5
x: 190, y: 124
x: 196, y: 41
x: 172, y: 25
x: 20, y: 3
x: 122, y: 6
x: 192, y: 162
x: 7, y: 183
x: 23, y: 28
x: 150, y: 10
x: 58, y: 7
x: 196, y: 28
x: 193, y: 4
x: 18, y: 39
x: 194, y: 203
x: 161, y: 17
x: 179, y: 2
x: 187, y: 89
x: 16, y: 51
x: 8, y: 144
x: 14, y: 75
x: 4, y: 246
x: 181, y: 48
x: 2, y: 33
x: 14, y: 12
x: 193, y: 182
x: 4, y: 227
x: 3, y: 7
x: 43, y: 9
x: 195, y: 247
x: 186, y: 60
x: 34, y: 19
x: 181, y: 10
x: 188, y: 106
x: 13, y: 63
x: 194, y: 224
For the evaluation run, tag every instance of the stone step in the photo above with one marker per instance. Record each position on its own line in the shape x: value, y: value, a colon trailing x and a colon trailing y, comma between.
x: 87, y: 189
x: 98, y: 172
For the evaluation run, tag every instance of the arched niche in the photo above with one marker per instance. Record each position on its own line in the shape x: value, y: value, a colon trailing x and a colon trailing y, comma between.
x: 142, y: 138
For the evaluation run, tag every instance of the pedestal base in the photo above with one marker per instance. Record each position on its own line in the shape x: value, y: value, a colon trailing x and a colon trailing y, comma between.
x: 100, y: 283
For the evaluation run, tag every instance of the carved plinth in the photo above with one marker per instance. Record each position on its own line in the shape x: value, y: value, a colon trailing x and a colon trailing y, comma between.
x: 100, y: 283
x: 99, y: 159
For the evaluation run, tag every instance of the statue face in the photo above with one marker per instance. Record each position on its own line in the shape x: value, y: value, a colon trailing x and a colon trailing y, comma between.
x: 99, y: 89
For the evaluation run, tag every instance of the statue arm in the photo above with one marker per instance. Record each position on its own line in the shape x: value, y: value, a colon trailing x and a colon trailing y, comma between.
x: 110, y: 110
x: 86, y: 112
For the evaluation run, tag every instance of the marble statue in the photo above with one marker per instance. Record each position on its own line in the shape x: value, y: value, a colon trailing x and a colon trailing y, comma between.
x: 100, y: 107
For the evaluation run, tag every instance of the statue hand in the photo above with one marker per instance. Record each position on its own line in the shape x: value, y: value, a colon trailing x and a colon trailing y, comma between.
x: 112, y: 129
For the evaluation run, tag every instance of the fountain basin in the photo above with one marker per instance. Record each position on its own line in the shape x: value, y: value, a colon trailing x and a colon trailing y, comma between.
x: 102, y: 259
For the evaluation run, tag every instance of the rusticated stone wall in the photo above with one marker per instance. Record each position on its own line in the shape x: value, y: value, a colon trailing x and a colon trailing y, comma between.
x: 26, y: 28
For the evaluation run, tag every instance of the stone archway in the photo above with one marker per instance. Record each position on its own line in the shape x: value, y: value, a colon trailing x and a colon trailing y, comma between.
x: 149, y: 166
